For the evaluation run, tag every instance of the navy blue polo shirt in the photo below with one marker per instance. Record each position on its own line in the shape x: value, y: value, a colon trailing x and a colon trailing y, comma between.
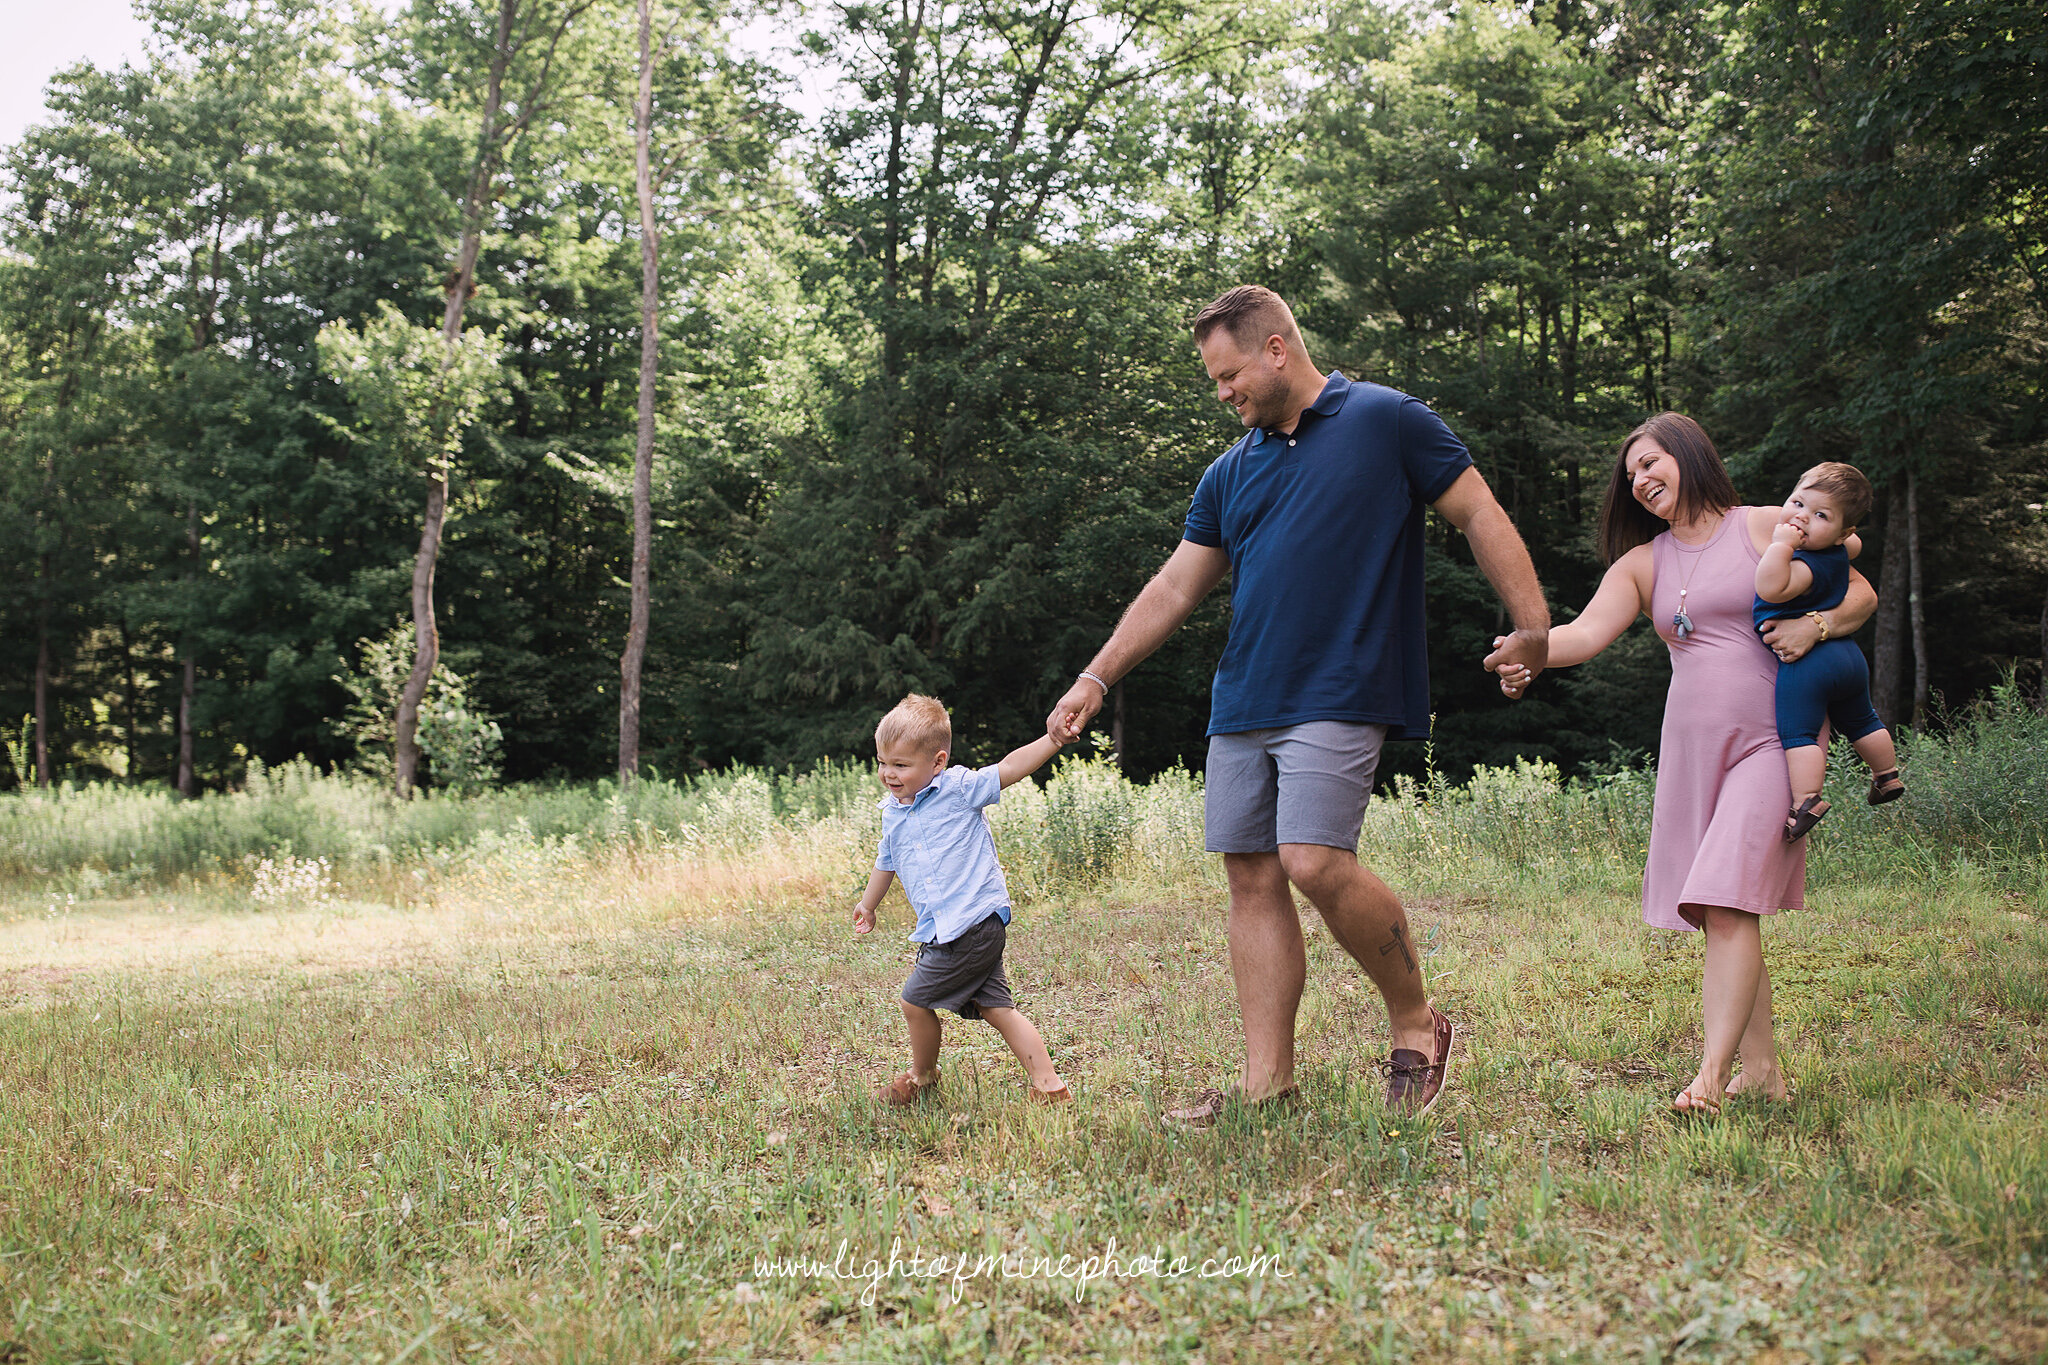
x: 1324, y: 532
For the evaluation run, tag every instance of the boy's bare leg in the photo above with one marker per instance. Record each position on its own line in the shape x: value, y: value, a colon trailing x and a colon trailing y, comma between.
x: 924, y: 1041
x: 1807, y: 766
x: 1270, y: 965
x: 1877, y: 749
x: 1022, y: 1036
x: 1366, y: 919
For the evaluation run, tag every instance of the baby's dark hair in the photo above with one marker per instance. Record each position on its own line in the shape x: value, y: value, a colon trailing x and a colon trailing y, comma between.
x: 1846, y: 485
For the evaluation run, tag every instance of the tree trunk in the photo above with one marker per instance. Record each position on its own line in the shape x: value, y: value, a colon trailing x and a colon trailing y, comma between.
x: 1888, y: 669
x: 461, y: 282
x: 43, y: 683
x: 1919, y: 621
x: 128, y: 700
x: 426, y: 637
x: 191, y: 670
x: 643, y: 445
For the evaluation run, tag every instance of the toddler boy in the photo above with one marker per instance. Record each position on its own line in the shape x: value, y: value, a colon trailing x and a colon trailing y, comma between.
x: 1805, y: 572
x: 936, y: 839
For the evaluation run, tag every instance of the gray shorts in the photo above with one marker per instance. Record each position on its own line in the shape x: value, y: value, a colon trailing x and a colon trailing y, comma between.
x: 1294, y: 784
x: 964, y: 975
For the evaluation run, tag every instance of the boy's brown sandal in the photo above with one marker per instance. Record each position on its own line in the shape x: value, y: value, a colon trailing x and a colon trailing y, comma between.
x: 1211, y: 1104
x: 1804, y: 818
x: 905, y: 1090
x: 1886, y: 786
x: 1063, y: 1095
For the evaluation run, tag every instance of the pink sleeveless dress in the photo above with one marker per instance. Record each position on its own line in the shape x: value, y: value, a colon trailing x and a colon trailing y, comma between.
x: 1716, y: 835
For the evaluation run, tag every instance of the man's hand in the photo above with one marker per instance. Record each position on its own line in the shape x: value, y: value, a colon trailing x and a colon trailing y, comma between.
x: 1518, y: 658
x: 863, y: 917
x: 1070, y: 716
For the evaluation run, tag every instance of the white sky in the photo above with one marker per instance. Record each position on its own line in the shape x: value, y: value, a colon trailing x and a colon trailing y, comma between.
x: 42, y: 38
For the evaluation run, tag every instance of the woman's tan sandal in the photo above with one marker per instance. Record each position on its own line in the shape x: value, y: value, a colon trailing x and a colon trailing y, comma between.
x: 1691, y: 1101
x: 1063, y: 1095
x: 1804, y: 818
x: 905, y: 1090
x: 1886, y: 786
x: 1211, y: 1104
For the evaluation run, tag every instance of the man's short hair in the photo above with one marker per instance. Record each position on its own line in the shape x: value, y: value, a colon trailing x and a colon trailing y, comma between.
x: 1846, y: 485
x: 917, y: 720
x: 1250, y: 313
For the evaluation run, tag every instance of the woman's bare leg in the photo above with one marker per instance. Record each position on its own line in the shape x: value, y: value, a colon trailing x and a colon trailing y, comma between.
x: 1728, y: 999
x: 1760, y: 1069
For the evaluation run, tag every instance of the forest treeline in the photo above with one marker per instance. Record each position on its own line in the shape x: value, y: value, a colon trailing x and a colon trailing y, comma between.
x: 922, y: 411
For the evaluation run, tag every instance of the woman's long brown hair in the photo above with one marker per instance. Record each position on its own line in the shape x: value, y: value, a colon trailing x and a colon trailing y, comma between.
x: 1703, y: 484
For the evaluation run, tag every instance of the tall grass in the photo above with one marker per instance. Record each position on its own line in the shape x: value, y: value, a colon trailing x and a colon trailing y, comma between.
x: 1978, y: 806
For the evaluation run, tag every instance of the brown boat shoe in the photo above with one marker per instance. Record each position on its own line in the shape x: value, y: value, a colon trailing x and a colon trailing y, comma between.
x: 1414, y: 1081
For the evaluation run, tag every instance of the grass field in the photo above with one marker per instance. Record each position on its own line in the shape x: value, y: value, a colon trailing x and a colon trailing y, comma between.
x: 530, y: 1097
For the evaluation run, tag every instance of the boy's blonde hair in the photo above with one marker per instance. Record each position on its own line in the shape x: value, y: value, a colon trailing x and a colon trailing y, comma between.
x: 1846, y: 485
x: 918, y: 720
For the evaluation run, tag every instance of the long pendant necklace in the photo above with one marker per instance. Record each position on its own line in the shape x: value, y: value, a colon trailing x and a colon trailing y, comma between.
x: 1681, y: 624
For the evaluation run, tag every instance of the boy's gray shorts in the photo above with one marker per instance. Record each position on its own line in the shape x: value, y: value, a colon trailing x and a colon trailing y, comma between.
x: 964, y: 975
x: 1294, y: 784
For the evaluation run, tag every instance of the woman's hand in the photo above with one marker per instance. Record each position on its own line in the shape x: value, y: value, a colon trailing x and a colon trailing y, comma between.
x: 1791, y: 637
x: 1514, y: 677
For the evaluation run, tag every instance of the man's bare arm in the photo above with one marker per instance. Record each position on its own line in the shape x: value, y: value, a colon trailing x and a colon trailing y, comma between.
x: 1469, y: 505
x: 1184, y: 580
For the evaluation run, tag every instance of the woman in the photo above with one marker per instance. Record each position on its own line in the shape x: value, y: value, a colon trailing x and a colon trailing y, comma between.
x: 1679, y: 549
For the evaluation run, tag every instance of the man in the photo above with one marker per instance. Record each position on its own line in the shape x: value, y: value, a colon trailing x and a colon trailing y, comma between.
x: 1317, y: 513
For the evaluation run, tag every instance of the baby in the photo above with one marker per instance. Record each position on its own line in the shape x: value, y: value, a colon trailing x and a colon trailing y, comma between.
x: 1804, y: 573
x: 935, y: 837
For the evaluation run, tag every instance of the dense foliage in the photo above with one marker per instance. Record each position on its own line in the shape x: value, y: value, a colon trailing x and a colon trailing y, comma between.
x: 928, y: 412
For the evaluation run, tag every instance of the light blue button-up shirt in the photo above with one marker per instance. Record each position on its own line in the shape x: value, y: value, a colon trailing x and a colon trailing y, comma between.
x: 940, y: 847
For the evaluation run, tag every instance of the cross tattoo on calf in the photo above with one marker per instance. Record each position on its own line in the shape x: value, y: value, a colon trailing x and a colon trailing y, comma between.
x: 1399, y: 940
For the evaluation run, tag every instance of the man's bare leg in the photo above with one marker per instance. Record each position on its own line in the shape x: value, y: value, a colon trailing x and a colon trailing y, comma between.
x: 1270, y: 964
x: 1368, y: 922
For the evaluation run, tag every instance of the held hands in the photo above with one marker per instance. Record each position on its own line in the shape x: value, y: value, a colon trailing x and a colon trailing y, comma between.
x: 863, y: 917
x: 1071, y: 714
x: 1518, y: 658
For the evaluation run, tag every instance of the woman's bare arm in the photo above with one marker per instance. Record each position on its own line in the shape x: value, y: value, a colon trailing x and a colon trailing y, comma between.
x: 1791, y: 637
x: 1624, y: 594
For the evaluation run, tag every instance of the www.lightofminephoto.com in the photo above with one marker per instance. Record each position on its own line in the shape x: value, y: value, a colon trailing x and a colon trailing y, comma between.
x: 960, y: 1268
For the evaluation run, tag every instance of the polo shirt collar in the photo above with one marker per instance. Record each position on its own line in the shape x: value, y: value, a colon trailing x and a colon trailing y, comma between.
x: 1335, y: 389
x: 1328, y: 403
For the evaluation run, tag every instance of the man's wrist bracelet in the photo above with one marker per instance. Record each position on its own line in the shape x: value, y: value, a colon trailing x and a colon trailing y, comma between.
x: 1097, y: 681
x: 1822, y: 622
